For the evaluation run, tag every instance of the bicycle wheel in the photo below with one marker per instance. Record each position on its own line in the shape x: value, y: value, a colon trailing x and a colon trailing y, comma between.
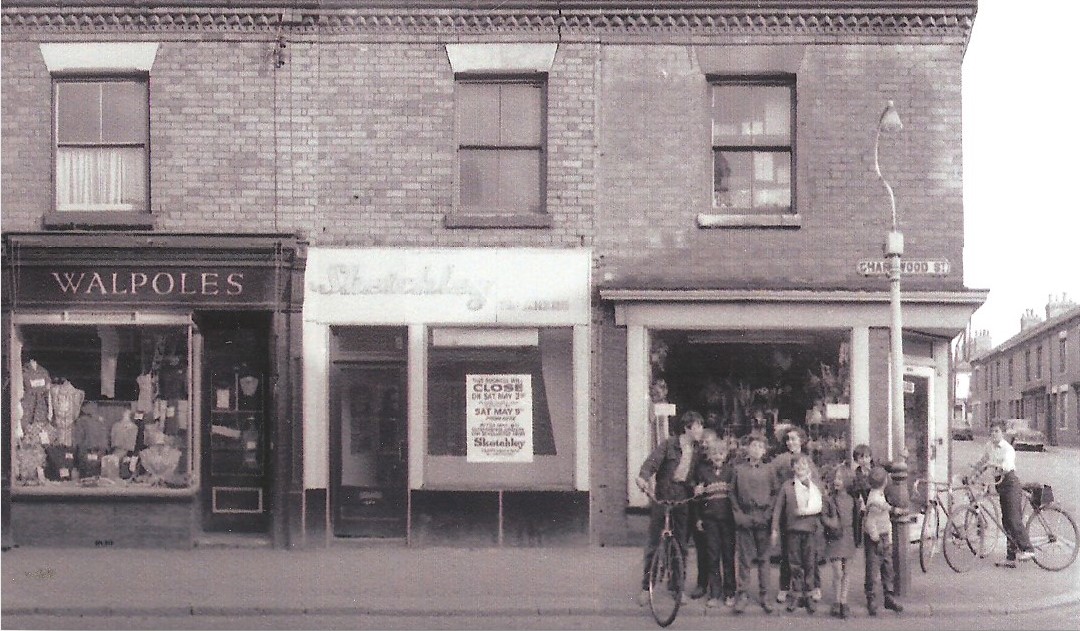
x: 1053, y: 534
x: 666, y: 574
x: 930, y: 536
x: 964, y: 536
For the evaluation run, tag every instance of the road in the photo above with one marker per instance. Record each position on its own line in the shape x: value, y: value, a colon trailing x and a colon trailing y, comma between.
x: 1055, y: 619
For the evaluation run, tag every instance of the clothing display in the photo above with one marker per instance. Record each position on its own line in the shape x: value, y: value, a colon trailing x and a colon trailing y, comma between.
x: 146, y: 393
x: 59, y: 462
x: 66, y: 401
x: 125, y: 434
x: 35, y: 399
x: 110, y: 466
x: 90, y: 433
x: 110, y: 349
x: 43, y: 433
x: 29, y: 460
x: 160, y: 460
x: 90, y: 463
x: 172, y: 380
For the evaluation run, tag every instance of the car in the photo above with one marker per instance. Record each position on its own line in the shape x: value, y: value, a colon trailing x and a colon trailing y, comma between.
x: 1021, y: 435
x: 963, y: 431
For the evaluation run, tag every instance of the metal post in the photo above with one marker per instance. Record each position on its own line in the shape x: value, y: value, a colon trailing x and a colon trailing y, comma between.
x: 894, y: 250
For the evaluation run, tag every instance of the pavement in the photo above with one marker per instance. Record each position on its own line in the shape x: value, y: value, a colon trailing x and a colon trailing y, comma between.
x: 347, y: 579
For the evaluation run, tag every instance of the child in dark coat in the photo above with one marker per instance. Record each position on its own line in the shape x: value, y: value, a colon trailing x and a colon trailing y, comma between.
x: 714, y: 475
x: 753, y: 489
x: 838, y: 515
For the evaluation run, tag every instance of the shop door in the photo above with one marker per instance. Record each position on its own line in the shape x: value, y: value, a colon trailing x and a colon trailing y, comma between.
x: 369, y: 492
x: 236, y: 425
x: 917, y: 434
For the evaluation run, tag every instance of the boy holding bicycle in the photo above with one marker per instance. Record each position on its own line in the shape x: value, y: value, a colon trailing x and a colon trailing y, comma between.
x: 1002, y: 457
x: 667, y: 476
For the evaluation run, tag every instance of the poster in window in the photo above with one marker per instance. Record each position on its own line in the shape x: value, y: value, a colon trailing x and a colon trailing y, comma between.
x: 499, y: 418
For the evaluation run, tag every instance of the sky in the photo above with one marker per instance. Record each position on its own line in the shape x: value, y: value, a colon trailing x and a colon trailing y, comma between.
x: 1021, y: 137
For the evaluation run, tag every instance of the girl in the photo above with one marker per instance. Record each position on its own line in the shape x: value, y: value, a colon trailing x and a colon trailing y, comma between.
x: 837, y: 515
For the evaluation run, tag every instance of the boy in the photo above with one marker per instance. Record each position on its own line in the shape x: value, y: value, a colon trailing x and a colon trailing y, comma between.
x: 667, y: 474
x: 717, y: 555
x: 753, y: 488
x: 1001, y: 456
x: 862, y: 461
x: 798, y: 506
x: 877, y: 544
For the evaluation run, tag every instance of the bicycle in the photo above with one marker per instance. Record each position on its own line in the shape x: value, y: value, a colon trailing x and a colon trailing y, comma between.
x: 941, y: 497
x: 972, y: 531
x: 667, y: 570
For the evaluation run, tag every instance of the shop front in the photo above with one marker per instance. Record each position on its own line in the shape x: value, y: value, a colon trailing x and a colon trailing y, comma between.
x: 765, y: 361
x: 446, y: 396
x: 151, y: 397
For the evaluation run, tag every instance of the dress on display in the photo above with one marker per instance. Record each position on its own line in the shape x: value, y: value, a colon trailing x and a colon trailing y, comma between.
x: 146, y: 393
x: 66, y: 402
x: 35, y: 399
x: 125, y: 434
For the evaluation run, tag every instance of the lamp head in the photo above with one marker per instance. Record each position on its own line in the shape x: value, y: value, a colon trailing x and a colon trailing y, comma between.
x: 890, y: 120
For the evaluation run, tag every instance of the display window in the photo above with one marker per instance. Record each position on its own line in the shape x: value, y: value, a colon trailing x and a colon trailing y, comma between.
x: 746, y: 382
x: 501, y: 398
x: 102, y: 407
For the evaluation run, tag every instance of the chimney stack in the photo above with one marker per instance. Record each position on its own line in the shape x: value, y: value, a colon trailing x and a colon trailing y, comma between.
x: 1057, y: 305
x: 1029, y: 320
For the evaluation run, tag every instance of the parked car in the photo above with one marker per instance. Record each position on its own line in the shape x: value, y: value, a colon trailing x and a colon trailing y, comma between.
x: 1021, y: 435
x: 962, y: 430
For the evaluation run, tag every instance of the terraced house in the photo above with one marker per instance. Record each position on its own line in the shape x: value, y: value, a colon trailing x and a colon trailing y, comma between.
x: 444, y: 272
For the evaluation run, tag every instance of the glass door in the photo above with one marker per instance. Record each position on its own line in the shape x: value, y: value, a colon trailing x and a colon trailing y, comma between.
x: 369, y: 493
x: 917, y: 427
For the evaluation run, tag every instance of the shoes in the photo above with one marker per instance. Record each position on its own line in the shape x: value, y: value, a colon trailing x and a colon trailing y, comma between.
x: 729, y: 601
x: 699, y: 592
x: 1006, y: 563
x: 792, y: 603
x: 643, y: 598
x: 781, y: 596
x: 1025, y: 555
x: 892, y: 605
x: 871, y: 608
x: 809, y: 604
x: 816, y: 594
x: 740, y: 603
x: 684, y: 599
x: 837, y: 610
x: 765, y: 606
x: 712, y: 602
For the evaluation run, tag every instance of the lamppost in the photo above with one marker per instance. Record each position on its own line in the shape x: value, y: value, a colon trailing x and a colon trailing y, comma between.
x: 889, y: 122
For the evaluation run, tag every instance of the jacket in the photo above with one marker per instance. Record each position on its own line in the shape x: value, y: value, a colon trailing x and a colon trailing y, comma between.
x: 753, y: 492
x: 662, y: 462
x: 786, y: 511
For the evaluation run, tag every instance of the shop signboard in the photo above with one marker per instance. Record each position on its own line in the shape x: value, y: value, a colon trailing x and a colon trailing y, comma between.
x: 498, y: 418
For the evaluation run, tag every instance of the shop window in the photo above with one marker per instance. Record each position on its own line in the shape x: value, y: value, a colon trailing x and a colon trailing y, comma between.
x: 102, y: 144
x: 102, y: 407
x: 764, y: 382
x: 501, y: 152
x: 753, y: 145
x: 456, y: 374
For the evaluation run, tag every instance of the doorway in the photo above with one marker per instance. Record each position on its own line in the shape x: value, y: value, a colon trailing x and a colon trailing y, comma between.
x: 369, y: 489
x: 918, y: 411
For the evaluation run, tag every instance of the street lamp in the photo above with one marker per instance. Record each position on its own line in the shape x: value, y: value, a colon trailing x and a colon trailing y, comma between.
x: 894, y: 249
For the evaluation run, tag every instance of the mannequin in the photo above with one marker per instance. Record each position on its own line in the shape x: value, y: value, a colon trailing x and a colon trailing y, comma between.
x: 35, y: 399
x: 125, y: 433
x: 146, y: 392
x: 29, y: 460
x: 66, y: 401
x: 91, y: 439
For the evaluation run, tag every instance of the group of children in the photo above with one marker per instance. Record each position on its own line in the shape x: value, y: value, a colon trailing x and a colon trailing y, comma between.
x: 744, y: 506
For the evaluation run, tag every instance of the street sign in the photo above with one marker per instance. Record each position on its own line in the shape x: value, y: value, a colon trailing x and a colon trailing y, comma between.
x: 926, y: 267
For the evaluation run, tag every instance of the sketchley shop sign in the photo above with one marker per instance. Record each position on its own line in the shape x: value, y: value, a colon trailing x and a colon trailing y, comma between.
x: 66, y: 285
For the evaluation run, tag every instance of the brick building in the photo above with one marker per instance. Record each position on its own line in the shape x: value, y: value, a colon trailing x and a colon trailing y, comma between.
x: 1034, y: 375
x: 355, y: 234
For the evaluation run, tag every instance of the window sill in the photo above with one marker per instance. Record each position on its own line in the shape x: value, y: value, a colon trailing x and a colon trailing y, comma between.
x: 69, y: 220
x: 119, y: 490
x: 725, y: 220
x: 531, y: 220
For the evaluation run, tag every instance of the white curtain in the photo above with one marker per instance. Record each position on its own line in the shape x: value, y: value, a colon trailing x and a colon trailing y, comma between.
x: 101, y: 178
